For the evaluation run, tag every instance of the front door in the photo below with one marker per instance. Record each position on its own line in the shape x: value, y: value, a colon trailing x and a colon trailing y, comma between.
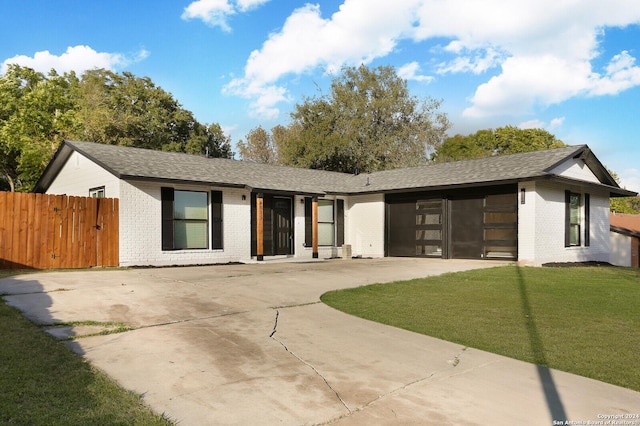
x: 283, y: 234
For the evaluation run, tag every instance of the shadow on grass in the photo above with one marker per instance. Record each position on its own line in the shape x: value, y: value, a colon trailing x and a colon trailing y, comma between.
x: 41, y: 381
x: 554, y: 403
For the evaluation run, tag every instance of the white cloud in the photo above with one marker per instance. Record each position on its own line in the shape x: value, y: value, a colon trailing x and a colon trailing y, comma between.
x: 212, y: 12
x: 245, y: 5
x: 543, y: 50
x: 476, y: 62
x: 621, y: 74
x: 539, y: 124
x: 76, y: 58
x: 358, y: 33
x: 532, y: 124
x: 410, y: 72
x: 216, y: 12
x: 555, y: 123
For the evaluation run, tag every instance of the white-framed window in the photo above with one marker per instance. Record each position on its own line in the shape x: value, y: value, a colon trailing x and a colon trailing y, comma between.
x: 190, y: 220
x: 326, y: 223
x: 330, y: 222
x: 97, y: 192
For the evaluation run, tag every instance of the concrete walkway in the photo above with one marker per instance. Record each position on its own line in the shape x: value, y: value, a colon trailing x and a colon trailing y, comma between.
x: 252, y: 344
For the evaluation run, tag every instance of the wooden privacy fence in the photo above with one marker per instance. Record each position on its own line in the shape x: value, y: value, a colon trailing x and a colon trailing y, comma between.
x: 56, y: 231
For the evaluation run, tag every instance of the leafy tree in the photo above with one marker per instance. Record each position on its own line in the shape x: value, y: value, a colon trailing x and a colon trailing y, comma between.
x: 503, y: 140
x: 260, y: 147
x: 368, y: 122
x: 626, y: 205
x: 122, y: 109
x: 37, y: 112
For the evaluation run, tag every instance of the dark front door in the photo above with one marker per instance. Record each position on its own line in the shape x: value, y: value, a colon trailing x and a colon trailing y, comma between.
x: 283, y: 233
x: 466, y: 228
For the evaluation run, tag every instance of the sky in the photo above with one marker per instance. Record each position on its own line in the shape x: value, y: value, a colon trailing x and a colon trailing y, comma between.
x: 567, y: 66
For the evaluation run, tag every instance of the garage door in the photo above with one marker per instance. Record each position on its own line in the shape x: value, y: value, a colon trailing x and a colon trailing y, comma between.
x: 455, y: 225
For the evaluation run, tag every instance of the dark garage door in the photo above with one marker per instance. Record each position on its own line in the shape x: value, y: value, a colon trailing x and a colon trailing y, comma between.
x: 462, y: 224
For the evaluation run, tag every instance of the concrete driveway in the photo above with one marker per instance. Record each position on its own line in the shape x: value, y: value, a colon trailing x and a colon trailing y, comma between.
x: 252, y: 344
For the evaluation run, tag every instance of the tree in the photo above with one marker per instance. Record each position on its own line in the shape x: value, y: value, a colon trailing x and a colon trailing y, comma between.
x: 259, y: 148
x: 37, y: 112
x: 626, y: 205
x: 123, y: 109
x: 501, y: 141
x: 368, y: 122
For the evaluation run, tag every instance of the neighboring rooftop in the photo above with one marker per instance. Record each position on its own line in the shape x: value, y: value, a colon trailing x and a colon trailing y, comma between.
x: 142, y: 164
x: 630, y: 222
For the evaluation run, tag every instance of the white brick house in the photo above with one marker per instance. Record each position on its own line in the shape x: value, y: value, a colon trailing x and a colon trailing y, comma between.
x: 178, y: 209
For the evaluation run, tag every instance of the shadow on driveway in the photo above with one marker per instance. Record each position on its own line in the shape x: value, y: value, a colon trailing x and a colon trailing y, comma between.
x: 204, y: 351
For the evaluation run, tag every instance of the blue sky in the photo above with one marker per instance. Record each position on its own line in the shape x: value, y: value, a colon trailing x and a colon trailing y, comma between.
x: 569, y: 67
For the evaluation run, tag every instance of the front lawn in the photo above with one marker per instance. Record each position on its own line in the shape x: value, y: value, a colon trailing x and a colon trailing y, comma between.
x: 43, y: 383
x: 584, y: 320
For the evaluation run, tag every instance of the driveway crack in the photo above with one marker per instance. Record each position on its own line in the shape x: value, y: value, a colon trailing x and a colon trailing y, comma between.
x: 315, y: 370
x: 456, y: 359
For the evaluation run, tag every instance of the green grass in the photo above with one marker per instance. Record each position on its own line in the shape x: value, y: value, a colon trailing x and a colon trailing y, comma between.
x: 584, y: 320
x: 44, y: 383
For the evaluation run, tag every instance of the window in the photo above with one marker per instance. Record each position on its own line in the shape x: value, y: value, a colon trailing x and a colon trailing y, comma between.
x: 575, y: 220
x: 326, y: 230
x: 190, y: 220
x: 97, y: 192
x: 185, y: 219
x: 330, y: 222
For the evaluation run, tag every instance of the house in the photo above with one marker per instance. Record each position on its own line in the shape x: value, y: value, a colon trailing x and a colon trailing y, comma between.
x: 625, y: 239
x: 177, y: 209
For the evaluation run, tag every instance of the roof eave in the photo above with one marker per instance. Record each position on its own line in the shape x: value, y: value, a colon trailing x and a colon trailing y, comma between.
x: 439, y: 187
x: 614, y: 191
x: 624, y: 231
x: 166, y: 181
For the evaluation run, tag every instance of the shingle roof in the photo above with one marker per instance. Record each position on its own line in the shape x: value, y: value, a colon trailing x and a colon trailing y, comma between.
x: 506, y: 168
x: 629, y: 222
x: 136, y: 163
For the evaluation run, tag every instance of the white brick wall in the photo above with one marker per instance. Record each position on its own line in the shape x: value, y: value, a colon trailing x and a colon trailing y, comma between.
x: 364, y: 225
x: 541, y: 226
x: 81, y: 174
x: 141, y: 221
